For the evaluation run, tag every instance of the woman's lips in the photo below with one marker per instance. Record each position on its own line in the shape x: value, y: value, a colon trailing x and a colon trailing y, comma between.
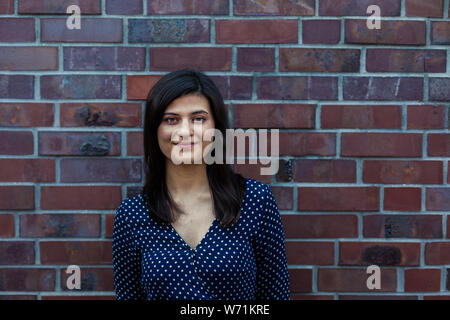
x: 186, y: 146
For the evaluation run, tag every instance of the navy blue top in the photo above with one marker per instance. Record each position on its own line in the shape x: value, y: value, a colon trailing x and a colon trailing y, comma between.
x: 244, y: 262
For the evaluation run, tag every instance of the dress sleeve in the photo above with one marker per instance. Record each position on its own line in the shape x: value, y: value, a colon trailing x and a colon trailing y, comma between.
x: 126, y: 259
x: 272, y: 276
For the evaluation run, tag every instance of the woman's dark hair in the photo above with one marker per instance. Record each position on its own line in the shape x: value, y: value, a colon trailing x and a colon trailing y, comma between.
x: 227, y: 187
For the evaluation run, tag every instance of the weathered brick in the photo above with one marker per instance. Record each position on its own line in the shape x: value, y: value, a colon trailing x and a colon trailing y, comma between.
x: 279, y: 7
x: 420, y: 8
x: 437, y: 253
x: 234, y: 87
x: 92, y: 279
x: 438, y: 199
x: 305, y: 143
x: 273, y: 116
x: 59, y: 225
x: 168, y: 30
x: 420, y: 280
x: 16, y: 197
x: 101, y: 170
x: 402, y: 172
x: 358, y: 8
x: 68, y: 198
x: 284, y: 197
x: 28, y: 58
x: 124, y: 7
x: 440, y: 33
x: 309, y: 252
x: 16, y: 142
x: 17, y: 30
x: 27, y: 170
x: 439, y: 89
x: 104, y: 58
x: 373, y: 296
x: 58, y: 7
x: 361, y: 116
x: 320, y: 226
x: 100, y: 114
x: 26, y: 114
x: 16, y: 252
x: 75, y: 252
x: 338, y: 199
x: 202, y: 58
x: 439, y: 145
x: 138, y: 86
x: 426, y: 117
x: 391, y: 60
x: 255, y: 59
x: 402, y: 226
x: 380, y: 144
x: 300, y: 280
x: 7, y: 7
x: 81, y: 86
x: 402, y: 199
x: 109, y: 225
x: 7, y: 225
x: 16, y: 86
x: 304, y: 88
x: 321, y: 31
x: 391, y: 32
x: 324, y: 170
x: 92, y: 30
x: 75, y: 297
x: 79, y: 143
x: 379, y: 253
x: 135, y: 143
x: 204, y: 7
x: 27, y: 279
x: 383, y: 88
x: 319, y: 60
x: 257, y: 31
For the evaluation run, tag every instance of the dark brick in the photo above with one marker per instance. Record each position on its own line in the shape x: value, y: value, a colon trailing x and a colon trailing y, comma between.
x: 16, y: 252
x: 16, y: 142
x: 255, y: 59
x: 16, y: 197
x: 16, y: 86
x: 7, y: 7
x: 60, y: 225
x: 439, y: 89
x: 420, y: 8
x: 124, y: 7
x: 27, y: 279
x: 358, y: 8
x: 27, y: 170
x: 26, y: 115
x: 28, y: 58
x: 440, y: 32
x: 58, y: 6
x: 204, y: 7
x: 321, y: 31
x: 17, y: 30
x: 426, y: 117
x: 279, y: 7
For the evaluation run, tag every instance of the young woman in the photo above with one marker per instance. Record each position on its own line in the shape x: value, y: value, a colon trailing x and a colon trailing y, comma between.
x: 197, y: 230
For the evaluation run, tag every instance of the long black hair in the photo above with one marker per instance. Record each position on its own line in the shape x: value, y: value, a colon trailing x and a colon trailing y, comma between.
x: 227, y: 187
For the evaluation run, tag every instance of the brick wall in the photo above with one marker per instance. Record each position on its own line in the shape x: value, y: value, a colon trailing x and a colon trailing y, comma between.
x: 363, y: 118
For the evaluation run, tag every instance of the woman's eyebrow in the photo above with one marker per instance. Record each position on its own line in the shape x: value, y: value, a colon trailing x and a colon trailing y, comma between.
x: 195, y: 112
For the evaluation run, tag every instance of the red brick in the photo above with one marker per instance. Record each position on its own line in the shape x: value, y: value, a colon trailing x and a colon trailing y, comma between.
x: 17, y: 30
x: 26, y: 114
x: 257, y: 31
x: 426, y: 117
x: 255, y: 59
x: 27, y: 170
x: 306, y: 143
x: 361, y: 116
x: 59, y: 6
x: 280, y: 7
x: 438, y: 199
x: 439, y: 145
x: 125, y: 8
x: 439, y: 89
x: 203, y: 7
x: 104, y: 58
x: 7, y: 7
x: 420, y: 8
x: 7, y: 224
x: 81, y: 86
x: 135, y: 143
x: 273, y: 116
x: 16, y: 197
x: 376, y: 297
x: 390, y: 60
x: 18, y: 297
x: 300, y: 280
x: 16, y: 252
x: 202, y: 58
x: 28, y: 58
x: 59, y: 225
x: 358, y: 8
x: 440, y: 32
x: 383, y: 88
x: 402, y: 226
x: 320, y: 225
x: 338, y: 199
x: 138, y: 86
x: 402, y: 199
x: 437, y: 253
x: 321, y: 31
x: 100, y: 114
x: 402, y: 171
x: 378, y: 144
x: 75, y: 252
x: 301, y: 88
x: 379, y: 253
x: 234, y: 87
x: 319, y: 60
x: 16, y: 142
x: 284, y: 197
x: 92, y: 30
x: 440, y: 297
x: 16, y: 86
x: 324, y: 170
x: 420, y: 280
x: 109, y: 225
x: 79, y: 143
x: 92, y: 279
x: 27, y: 279
x: 391, y: 32
x: 353, y: 280
x: 84, y: 297
x: 311, y: 297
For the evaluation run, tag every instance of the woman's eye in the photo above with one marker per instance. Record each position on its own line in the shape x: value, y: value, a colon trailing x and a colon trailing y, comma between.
x: 200, y: 119
x: 169, y: 119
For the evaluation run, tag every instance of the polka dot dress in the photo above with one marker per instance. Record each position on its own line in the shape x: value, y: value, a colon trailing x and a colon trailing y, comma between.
x: 244, y: 262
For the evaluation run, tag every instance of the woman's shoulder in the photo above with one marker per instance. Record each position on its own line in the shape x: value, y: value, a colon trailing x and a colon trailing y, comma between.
x: 257, y: 186
x: 131, y: 207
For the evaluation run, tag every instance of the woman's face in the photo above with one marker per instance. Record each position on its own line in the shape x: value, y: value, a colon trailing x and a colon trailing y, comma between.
x: 185, y: 121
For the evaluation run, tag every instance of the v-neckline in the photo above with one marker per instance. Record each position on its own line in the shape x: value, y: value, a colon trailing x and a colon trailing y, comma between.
x: 201, y: 241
